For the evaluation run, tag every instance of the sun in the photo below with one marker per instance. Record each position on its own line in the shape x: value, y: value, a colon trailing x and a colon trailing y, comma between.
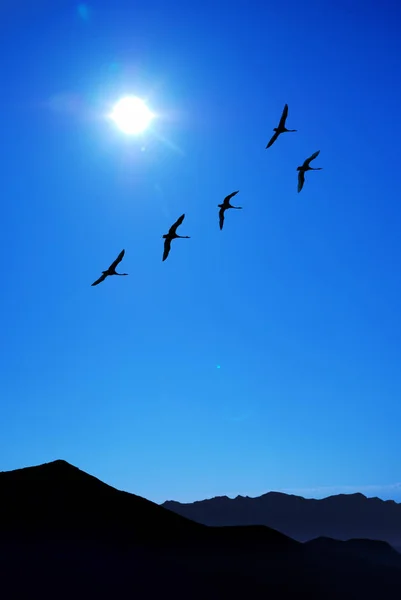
x: 131, y: 115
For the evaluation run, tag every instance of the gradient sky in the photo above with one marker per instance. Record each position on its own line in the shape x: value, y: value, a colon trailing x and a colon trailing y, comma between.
x: 262, y: 357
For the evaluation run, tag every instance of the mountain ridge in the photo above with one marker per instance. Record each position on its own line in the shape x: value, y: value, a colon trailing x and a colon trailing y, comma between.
x: 276, y: 493
x: 339, y: 516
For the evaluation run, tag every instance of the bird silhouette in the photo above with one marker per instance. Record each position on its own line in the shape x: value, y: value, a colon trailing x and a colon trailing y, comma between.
x: 305, y: 167
x: 281, y: 127
x: 171, y: 235
x: 225, y: 206
x: 111, y: 270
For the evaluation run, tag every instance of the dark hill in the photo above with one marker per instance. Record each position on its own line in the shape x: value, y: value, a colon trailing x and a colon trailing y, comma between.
x: 59, y: 499
x: 372, y: 550
x: 64, y: 533
x: 342, y: 517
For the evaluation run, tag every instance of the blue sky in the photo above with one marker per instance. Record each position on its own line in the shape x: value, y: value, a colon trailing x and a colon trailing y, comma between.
x: 297, y: 300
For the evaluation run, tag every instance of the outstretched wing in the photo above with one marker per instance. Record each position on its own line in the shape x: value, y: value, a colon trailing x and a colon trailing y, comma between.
x: 178, y: 222
x: 227, y: 199
x: 301, y: 180
x: 283, y: 117
x: 101, y: 278
x: 118, y: 259
x: 167, y: 246
x: 309, y: 160
x: 221, y: 217
x: 273, y: 139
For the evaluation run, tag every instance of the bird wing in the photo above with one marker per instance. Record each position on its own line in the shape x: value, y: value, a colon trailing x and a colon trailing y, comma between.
x: 283, y: 117
x: 178, y: 222
x: 221, y: 217
x: 118, y: 259
x: 309, y: 160
x: 273, y: 139
x: 228, y: 198
x: 301, y: 180
x: 101, y: 278
x: 167, y: 246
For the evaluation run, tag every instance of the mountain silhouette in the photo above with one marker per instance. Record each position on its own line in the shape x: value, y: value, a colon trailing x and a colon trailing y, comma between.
x: 64, y: 533
x: 59, y: 498
x: 342, y: 517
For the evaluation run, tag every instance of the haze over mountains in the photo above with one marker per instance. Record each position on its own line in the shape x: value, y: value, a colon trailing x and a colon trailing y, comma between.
x: 64, y: 533
x: 342, y: 517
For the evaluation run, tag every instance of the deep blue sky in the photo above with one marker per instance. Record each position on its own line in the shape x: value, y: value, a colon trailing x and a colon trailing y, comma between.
x: 297, y: 300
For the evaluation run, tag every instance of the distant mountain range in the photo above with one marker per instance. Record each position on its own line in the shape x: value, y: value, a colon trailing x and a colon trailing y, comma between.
x: 341, y: 517
x: 65, y: 534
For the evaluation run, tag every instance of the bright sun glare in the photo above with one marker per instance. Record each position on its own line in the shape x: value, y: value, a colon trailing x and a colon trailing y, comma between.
x: 131, y: 115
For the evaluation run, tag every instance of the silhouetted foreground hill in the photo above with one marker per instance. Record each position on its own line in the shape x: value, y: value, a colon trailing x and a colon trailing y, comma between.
x: 342, y: 517
x: 65, y: 534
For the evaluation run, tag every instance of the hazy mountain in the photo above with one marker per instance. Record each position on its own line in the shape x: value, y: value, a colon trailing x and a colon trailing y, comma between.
x: 341, y: 517
x: 64, y: 534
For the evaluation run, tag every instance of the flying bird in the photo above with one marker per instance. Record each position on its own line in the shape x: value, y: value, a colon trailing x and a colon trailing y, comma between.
x: 171, y: 235
x: 305, y: 167
x: 281, y: 127
x: 223, y: 207
x: 112, y: 269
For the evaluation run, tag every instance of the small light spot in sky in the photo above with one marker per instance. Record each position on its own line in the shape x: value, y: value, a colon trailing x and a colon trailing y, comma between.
x: 83, y: 11
x: 114, y: 67
x: 218, y: 366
